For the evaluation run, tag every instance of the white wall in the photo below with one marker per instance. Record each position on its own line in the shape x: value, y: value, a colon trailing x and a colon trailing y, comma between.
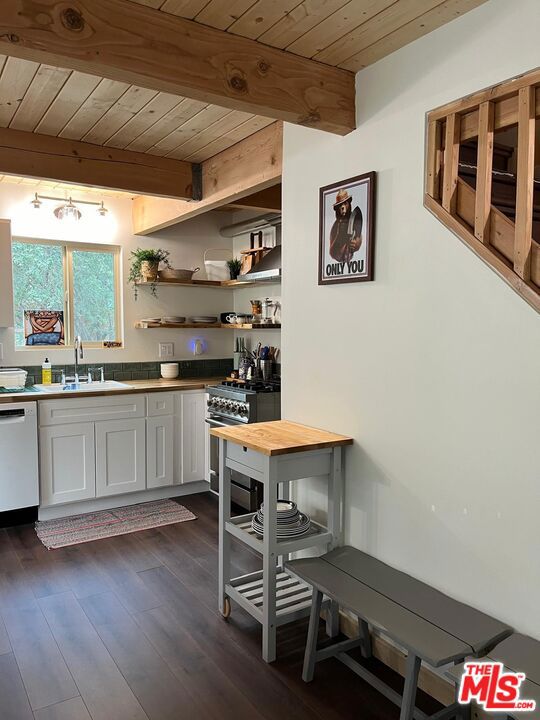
x: 434, y: 367
x: 186, y: 243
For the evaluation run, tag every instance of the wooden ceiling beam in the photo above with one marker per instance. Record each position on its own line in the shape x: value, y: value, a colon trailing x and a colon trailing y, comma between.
x: 134, y: 43
x: 71, y: 161
x: 267, y: 200
x: 248, y: 167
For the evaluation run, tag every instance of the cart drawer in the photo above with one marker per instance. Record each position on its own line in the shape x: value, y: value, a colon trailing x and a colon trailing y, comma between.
x: 246, y: 456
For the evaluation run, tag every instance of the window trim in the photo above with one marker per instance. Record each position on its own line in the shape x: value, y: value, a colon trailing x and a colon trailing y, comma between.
x: 68, y: 246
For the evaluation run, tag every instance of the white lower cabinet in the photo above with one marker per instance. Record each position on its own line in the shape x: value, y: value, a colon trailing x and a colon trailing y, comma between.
x: 120, y: 456
x: 193, y: 436
x: 159, y: 451
x: 67, y: 463
x: 99, y: 447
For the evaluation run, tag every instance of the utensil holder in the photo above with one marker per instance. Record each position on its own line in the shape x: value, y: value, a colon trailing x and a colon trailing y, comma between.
x: 266, y: 369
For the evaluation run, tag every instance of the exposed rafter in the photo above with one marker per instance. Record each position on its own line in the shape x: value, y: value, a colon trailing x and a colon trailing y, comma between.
x: 52, y: 158
x: 124, y: 41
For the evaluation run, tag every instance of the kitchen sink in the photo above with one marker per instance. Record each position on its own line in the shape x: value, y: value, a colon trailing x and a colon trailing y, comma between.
x: 83, y: 387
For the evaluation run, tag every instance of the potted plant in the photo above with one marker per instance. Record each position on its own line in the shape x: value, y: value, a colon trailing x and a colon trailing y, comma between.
x: 234, y: 266
x: 145, y: 266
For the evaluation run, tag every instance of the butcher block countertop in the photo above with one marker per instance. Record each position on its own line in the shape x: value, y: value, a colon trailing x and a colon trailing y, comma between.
x: 280, y: 437
x: 133, y: 386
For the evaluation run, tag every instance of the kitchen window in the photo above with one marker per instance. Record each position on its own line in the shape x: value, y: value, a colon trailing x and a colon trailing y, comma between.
x: 81, y: 280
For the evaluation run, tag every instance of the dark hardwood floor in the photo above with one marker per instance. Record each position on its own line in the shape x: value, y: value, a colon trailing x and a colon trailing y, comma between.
x: 128, y: 629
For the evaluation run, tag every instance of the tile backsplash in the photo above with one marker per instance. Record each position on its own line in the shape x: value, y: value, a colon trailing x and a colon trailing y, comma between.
x: 137, y: 370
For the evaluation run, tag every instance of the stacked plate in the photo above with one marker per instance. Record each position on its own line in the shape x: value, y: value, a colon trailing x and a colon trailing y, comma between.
x: 173, y: 319
x: 204, y: 319
x: 291, y: 522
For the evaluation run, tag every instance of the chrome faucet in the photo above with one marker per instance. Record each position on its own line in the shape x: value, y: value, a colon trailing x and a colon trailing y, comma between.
x: 79, y: 355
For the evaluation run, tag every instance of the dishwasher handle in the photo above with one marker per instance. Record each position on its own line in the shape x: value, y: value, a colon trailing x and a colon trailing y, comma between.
x: 12, y: 416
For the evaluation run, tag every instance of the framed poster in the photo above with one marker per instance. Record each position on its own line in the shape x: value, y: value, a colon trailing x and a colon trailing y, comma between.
x: 44, y: 327
x: 346, y: 224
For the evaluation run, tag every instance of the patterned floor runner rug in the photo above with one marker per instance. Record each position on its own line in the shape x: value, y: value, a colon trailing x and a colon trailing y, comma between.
x: 108, y: 523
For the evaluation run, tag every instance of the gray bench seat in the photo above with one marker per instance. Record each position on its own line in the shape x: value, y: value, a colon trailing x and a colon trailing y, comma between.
x: 430, y: 625
x: 518, y: 653
x: 473, y: 627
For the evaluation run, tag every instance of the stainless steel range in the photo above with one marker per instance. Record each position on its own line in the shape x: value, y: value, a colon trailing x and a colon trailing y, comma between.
x: 233, y: 403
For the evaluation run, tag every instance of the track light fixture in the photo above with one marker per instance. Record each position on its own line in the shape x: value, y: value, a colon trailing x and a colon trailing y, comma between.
x: 68, y: 210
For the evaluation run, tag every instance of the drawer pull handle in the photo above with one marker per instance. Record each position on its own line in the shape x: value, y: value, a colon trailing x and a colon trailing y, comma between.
x: 244, y: 448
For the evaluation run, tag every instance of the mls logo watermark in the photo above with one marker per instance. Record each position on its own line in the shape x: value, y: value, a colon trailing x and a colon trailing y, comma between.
x: 489, y: 685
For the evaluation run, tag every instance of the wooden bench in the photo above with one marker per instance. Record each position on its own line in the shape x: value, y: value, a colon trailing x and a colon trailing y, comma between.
x: 431, y: 626
x: 517, y: 653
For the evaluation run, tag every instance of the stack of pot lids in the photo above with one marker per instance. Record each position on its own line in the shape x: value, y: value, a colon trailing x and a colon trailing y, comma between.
x: 290, y: 521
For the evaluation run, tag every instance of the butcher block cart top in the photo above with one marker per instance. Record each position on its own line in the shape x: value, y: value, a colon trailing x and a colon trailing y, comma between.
x: 281, y: 437
x: 275, y: 454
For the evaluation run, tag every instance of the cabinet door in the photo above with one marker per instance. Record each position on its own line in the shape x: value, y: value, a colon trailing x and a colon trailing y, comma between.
x: 67, y: 463
x: 193, y: 430
x: 120, y: 456
x: 159, y: 451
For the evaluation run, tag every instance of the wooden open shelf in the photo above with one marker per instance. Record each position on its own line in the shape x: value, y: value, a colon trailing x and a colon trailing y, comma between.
x: 230, y: 284
x: 141, y: 325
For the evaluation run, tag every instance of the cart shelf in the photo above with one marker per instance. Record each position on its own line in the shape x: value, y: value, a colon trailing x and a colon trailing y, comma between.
x: 240, y: 527
x: 293, y: 595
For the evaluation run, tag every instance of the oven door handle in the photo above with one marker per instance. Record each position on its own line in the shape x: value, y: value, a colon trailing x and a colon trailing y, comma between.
x: 218, y: 423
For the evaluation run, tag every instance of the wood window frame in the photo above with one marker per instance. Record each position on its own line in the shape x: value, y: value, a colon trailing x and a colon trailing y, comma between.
x: 68, y: 247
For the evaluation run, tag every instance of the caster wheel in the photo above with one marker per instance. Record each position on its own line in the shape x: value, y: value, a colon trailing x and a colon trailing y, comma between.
x: 226, y: 612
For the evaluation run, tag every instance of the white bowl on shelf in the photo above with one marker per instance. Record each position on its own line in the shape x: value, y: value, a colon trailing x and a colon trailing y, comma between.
x: 169, y: 371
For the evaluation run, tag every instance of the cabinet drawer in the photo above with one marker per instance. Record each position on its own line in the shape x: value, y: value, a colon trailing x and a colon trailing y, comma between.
x: 246, y: 456
x: 160, y: 403
x: 103, y: 407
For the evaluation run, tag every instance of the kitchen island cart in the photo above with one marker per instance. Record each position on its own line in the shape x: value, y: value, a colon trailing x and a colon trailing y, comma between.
x: 275, y: 454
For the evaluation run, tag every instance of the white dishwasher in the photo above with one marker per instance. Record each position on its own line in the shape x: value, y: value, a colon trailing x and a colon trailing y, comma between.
x: 19, y: 478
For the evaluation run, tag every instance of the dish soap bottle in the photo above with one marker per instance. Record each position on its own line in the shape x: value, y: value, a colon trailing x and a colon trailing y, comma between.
x: 46, y: 372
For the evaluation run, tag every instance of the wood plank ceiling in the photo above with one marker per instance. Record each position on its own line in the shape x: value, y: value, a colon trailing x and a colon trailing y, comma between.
x: 349, y: 34
x: 77, y: 106
x: 74, y: 105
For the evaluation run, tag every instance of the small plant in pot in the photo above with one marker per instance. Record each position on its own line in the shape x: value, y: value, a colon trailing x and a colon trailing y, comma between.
x: 234, y: 266
x: 145, y: 266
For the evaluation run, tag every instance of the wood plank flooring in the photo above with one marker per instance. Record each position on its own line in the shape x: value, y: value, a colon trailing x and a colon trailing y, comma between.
x: 127, y: 628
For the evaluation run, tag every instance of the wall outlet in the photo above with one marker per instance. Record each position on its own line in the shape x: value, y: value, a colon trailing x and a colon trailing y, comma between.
x: 166, y: 350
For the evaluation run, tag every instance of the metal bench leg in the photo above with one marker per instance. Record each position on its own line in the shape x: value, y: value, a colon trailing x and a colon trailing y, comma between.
x: 313, y: 631
x: 363, y: 632
x: 409, y: 691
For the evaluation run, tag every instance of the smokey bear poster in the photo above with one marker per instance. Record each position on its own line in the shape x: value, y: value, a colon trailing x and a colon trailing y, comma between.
x: 346, y: 230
